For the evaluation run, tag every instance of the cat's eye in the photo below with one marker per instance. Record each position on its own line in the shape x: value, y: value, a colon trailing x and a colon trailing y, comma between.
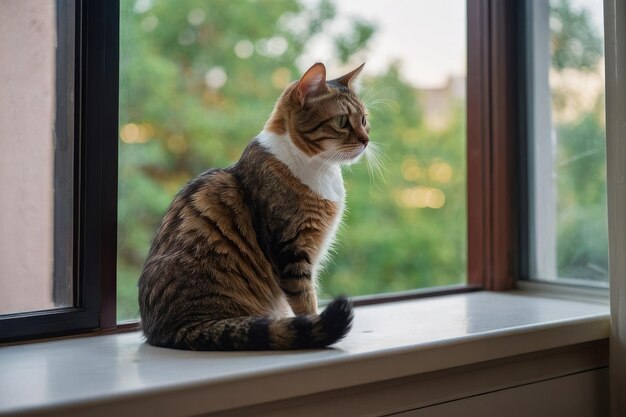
x: 364, y: 120
x: 341, y: 121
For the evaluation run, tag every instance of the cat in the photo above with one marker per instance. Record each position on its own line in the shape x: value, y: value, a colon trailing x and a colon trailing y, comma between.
x: 233, y: 264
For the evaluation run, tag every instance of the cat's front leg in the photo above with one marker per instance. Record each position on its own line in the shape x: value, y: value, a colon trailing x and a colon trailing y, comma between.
x: 296, y: 282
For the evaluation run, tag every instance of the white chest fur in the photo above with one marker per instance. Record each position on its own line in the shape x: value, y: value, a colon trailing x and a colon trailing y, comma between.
x: 323, y: 178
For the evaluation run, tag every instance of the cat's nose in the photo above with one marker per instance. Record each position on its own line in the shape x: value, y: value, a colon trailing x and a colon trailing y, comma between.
x: 364, y: 140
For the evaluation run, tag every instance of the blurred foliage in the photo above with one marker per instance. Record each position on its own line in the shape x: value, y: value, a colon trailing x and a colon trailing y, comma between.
x: 360, y: 34
x: 582, y: 242
x: 199, y: 79
x: 575, y: 42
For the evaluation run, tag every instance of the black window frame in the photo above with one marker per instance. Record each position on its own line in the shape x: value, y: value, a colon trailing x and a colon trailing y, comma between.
x: 95, y: 107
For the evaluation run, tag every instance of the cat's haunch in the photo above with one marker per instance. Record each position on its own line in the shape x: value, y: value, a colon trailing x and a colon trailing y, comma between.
x: 234, y: 262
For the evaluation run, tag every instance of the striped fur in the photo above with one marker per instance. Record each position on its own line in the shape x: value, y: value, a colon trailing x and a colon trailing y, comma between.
x: 233, y: 264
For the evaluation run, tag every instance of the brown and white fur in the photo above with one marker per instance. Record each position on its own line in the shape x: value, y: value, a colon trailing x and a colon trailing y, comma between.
x: 234, y: 263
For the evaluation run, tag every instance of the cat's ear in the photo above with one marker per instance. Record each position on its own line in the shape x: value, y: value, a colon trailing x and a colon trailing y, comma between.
x: 351, y: 79
x: 312, y: 83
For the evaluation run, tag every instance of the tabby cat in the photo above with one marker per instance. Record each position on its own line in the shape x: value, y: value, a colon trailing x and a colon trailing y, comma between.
x: 233, y: 264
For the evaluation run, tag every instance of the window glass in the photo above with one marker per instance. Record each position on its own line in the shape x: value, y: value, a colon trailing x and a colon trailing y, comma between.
x: 36, y: 161
x: 568, y: 213
x: 199, y: 79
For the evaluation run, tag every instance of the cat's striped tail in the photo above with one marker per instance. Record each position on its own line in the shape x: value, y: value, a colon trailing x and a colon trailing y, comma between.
x: 261, y: 333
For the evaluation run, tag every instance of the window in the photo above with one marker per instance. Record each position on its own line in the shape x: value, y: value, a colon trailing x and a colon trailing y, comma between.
x: 566, y: 150
x: 473, y: 173
x: 198, y: 81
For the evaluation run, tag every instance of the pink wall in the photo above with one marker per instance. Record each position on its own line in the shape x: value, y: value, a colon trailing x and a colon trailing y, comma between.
x: 27, y: 55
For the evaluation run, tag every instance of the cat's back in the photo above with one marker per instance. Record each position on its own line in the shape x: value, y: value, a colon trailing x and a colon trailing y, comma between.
x: 209, y: 199
x: 212, y: 217
x: 205, y: 250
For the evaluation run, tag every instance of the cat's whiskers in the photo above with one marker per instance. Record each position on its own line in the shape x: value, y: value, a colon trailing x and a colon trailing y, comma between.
x: 374, y: 105
x: 372, y: 92
x: 371, y: 100
x: 373, y: 158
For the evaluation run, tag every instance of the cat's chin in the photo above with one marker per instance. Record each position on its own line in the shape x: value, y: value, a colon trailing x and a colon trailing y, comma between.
x: 349, y: 157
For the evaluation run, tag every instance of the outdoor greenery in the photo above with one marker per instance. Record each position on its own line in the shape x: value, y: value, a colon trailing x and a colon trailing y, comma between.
x: 580, y: 165
x: 199, y: 79
x: 576, y: 43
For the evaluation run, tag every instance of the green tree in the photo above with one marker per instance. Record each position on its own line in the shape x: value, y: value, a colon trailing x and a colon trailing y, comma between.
x: 198, y: 81
x: 387, y: 245
x: 575, y: 42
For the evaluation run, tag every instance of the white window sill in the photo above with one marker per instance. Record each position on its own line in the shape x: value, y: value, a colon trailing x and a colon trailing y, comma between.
x: 113, y: 375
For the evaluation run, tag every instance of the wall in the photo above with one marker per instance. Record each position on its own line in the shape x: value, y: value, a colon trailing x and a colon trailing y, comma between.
x: 27, y: 93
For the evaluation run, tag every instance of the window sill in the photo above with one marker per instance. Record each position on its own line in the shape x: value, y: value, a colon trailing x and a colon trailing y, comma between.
x: 120, y: 375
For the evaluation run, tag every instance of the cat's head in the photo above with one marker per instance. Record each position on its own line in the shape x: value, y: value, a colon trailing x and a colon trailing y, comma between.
x: 324, y: 119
